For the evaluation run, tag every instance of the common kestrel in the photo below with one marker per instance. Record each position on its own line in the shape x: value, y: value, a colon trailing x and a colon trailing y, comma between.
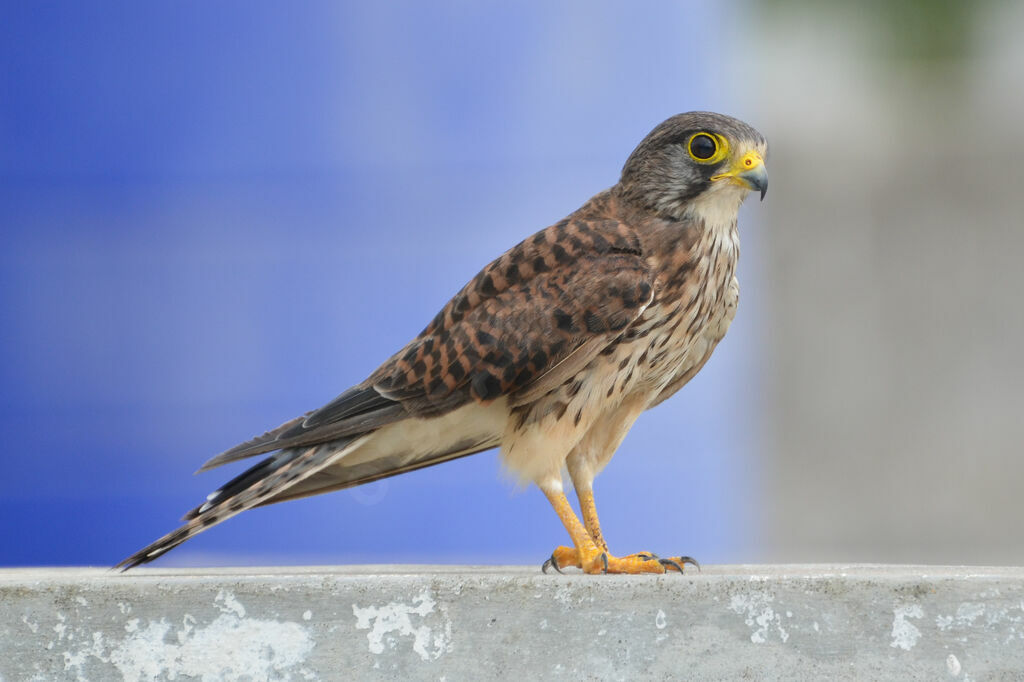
x: 550, y: 353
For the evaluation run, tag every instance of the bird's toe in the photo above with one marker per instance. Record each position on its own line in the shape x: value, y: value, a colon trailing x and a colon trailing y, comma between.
x: 561, y: 558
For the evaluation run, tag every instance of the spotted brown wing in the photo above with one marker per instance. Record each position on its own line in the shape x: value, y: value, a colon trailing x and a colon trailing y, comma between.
x: 526, y: 339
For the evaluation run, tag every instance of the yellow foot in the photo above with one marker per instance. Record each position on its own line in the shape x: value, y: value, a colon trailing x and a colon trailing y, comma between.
x: 561, y: 558
x: 600, y: 561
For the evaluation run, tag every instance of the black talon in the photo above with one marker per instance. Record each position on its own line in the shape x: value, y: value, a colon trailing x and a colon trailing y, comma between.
x: 649, y: 556
x: 550, y: 563
x: 690, y: 560
x: 604, y: 560
x: 671, y: 562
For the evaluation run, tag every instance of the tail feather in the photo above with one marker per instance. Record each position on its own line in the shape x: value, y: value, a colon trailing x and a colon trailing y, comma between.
x: 268, y: 478
x: 344, y: 462
x: 244, y: 480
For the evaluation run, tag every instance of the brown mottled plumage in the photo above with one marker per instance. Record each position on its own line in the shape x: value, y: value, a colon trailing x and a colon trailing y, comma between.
x: 551, y: 352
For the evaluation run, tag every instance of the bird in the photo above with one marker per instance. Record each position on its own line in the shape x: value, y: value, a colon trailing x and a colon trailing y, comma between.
x: 550, y: 353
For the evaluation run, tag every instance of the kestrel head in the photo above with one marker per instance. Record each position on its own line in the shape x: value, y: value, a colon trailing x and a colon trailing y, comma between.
x: 697, y: 155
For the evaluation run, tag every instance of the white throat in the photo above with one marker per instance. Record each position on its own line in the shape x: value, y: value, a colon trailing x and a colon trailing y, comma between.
x: 718, y: 207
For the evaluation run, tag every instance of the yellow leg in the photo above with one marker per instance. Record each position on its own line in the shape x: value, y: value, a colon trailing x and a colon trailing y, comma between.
x: 588, y: 555
x: 590, y: 551
x: 589, y: 511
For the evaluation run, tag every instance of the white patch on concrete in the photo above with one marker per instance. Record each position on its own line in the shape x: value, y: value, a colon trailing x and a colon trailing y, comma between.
x: 759, y: 615
x: 953, y: 665
x: 237, y: 648
x: 393, y: 620
x: 188, y: 623
x: 124, y: 607
x: 307, y: 614
x: 904, y: 633
x: 34, y: 627
x: 968, y: 612
x: 231, y: 647
x: 974, y: 615
x: 226, y: 602
x: 659, y: 620
x: 60, y: 628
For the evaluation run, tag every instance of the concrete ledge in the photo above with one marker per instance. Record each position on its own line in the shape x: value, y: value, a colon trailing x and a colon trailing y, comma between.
x: 446, y: 622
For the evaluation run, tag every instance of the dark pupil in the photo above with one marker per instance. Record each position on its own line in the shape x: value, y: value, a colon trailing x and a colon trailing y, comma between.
x: 702, y: 147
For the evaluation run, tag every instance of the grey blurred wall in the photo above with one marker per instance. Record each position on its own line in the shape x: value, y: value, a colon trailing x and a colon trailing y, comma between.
x: 889, y: 280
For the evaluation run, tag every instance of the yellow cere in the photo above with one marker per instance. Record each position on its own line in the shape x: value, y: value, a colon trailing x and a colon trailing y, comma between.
x: 748, y: 161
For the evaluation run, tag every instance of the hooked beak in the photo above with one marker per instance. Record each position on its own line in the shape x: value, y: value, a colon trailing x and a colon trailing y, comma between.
x: 748, y: 172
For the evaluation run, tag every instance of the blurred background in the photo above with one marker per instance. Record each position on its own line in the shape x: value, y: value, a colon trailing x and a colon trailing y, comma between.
x: 217, y: 216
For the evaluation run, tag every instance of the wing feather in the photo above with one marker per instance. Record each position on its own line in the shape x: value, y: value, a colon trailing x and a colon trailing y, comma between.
x: 357, y: 410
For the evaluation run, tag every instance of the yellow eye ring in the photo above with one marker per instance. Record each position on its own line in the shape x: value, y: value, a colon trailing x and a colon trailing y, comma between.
x: 707, y: 148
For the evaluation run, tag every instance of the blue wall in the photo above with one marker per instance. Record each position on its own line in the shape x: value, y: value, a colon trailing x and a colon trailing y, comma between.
x: 216, y: 216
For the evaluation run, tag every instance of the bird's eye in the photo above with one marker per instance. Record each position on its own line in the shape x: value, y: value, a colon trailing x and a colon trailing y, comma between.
x: 702, y: 146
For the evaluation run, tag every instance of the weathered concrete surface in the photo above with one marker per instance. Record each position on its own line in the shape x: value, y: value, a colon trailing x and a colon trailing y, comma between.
x: 456, y: 623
